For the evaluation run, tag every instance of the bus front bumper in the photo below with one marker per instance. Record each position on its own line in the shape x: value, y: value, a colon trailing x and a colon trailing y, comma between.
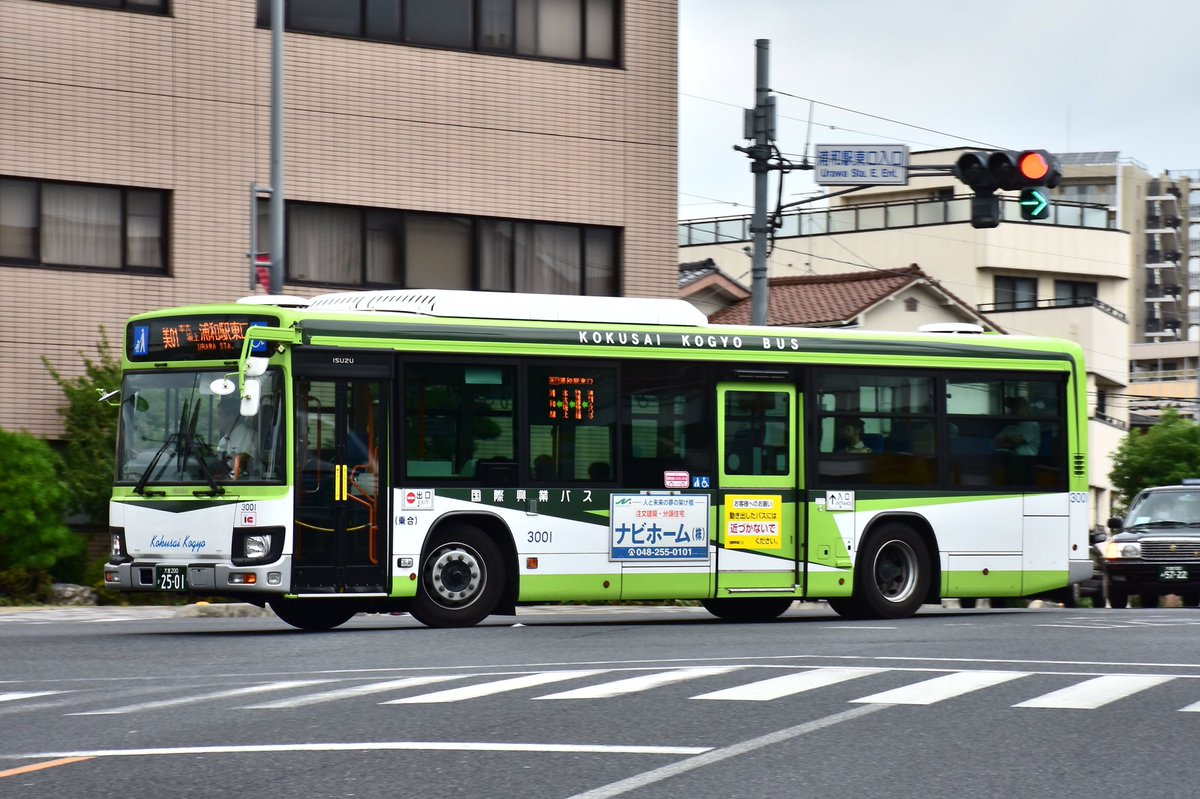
x: 221, y: 578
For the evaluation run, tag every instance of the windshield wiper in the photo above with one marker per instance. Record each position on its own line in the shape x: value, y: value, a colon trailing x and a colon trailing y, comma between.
x: 140, y: 487
x: 216, y: 489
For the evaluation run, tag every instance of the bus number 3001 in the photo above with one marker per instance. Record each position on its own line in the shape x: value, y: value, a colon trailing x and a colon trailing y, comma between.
x: 539, y: 537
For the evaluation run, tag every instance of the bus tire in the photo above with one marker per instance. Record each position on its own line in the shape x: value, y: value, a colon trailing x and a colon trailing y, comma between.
x: 461, y: 581
x: 313, y: 615
x: 1118, y: 597
x: 749, y: 609
x: 848, y: 607
x: 895, y: 572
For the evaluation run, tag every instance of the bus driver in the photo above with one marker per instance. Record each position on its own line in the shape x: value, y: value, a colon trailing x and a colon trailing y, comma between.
x: 233, y: 450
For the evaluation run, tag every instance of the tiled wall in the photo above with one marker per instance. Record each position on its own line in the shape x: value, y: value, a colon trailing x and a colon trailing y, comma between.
x: 183, y: 103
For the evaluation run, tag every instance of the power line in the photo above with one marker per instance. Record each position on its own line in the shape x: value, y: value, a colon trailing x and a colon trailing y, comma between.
x: 889, y: 120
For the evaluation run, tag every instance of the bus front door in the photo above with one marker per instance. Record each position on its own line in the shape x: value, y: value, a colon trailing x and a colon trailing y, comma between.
x: 759, y: 518
x: 340, y: 485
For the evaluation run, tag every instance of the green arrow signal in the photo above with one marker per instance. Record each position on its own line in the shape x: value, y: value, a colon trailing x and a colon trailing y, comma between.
x: 1034, y: 204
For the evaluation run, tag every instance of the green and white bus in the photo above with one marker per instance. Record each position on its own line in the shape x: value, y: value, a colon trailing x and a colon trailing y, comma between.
x: 455, y: 454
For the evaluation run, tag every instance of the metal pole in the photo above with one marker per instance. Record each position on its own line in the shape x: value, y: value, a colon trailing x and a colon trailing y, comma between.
x: 277, y: 227
x: 253, y: 254
x: 758, y: 224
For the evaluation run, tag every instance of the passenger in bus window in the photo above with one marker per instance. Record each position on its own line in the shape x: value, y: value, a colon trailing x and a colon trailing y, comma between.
x: 1021, y: 436
x: 852, y: 435
x: 543, y: 467
x: 600, y: 471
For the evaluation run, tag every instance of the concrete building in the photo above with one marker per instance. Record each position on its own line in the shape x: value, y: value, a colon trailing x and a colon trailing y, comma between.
x: 509, y: 145
x: 1103, y: 270
x: 1163, y: 372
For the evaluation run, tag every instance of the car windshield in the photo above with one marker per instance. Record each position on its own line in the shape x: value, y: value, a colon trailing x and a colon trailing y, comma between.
x: 175, y: 430
x: 1165, y: 507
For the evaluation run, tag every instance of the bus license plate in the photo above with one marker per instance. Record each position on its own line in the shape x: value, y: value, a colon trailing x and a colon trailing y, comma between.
x: 1173, y: 573
x: 170, y: 578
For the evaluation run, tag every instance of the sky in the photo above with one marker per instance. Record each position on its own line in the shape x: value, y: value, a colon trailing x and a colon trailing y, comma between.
x: 1060, y: 75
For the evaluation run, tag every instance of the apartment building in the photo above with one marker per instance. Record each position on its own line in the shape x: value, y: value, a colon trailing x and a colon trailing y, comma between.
x: 1104, y: 270
x: 511, y: 145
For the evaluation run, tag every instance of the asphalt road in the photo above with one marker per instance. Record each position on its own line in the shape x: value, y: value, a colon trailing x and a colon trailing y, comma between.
x: 578, y: 703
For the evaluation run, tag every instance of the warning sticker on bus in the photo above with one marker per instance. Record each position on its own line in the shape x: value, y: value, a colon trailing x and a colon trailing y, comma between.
x: 753, y: 522
x: 655, y: 527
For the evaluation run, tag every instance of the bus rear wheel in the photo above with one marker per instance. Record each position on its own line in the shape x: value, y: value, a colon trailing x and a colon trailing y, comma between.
x: 313, y: 615
x: 750, y: 609
x: 894, y: 572
x: 462, y: 579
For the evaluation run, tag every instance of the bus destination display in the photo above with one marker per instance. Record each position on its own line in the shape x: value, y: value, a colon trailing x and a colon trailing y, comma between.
x: 571, y: 399
x: 189, y: 337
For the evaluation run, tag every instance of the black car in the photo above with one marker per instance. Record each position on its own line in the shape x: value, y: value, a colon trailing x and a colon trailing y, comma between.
x: 1155, y: 549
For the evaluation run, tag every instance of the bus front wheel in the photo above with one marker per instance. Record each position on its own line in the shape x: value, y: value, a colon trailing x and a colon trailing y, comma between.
x: 894, y: 572
x: 313, y: 615
x: 462, y: 579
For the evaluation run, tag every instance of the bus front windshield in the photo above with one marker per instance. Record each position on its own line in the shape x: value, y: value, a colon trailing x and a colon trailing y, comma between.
x: 174, y: 429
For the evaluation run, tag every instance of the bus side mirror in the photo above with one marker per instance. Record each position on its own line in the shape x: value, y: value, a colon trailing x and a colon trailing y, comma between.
x: 1115, y: 523
x: 252, y: 397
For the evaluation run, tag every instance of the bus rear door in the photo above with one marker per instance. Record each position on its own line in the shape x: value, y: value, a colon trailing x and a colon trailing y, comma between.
x: 757, y: 512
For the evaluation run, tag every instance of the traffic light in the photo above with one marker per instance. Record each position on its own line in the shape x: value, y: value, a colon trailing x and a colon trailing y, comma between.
x: 1030, y: 171
x: 1007, y: 170
x: 1035, y: 203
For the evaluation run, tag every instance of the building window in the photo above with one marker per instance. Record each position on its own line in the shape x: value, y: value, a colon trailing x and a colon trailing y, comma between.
x: 1074, y: 292
x: 584, y: 31
x: 145, y: 6
x: 1014, y: 293
x: 349, y: 246
x: 85, y: 226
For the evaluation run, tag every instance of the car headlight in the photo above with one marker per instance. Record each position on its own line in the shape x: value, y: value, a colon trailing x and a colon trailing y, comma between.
x: 1122, y: 549
x: 257, y: 546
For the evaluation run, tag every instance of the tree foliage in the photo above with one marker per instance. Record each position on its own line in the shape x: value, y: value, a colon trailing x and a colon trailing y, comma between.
x: 90, y: 428
x: 33, y: 534
x: 1164, y: 455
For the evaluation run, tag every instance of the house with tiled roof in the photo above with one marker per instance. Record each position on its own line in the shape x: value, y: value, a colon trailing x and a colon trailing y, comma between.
x: 703, y: 284
x: 879, y: 299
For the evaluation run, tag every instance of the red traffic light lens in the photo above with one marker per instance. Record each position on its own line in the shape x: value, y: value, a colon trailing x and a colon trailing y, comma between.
x: 1033, y: 166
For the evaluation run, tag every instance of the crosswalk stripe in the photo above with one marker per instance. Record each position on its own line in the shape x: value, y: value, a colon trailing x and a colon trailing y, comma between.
x: 353, y: 691
x: 187, y: 700
x: 644, y: 682
x: 789, y: 684
x: 14, y: 695
x: 927, y: 692
x: 491, y: 688
x: 1094, y: 693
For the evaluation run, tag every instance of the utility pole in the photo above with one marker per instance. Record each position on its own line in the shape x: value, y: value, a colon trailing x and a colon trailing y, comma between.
x: 760, y: 126
x: 277, y: 227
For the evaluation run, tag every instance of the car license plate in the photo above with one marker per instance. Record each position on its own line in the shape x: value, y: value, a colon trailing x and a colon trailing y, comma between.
x: 1173, y: 573
x: 170, y: 578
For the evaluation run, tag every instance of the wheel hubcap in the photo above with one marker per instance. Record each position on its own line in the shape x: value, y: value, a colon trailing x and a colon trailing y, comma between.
x: 456, y: 575
x: 896, y: 571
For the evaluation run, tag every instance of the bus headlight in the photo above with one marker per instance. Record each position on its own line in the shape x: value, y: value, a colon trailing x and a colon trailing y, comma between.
x: 253, y: 546
x: 257, y: 546
x: 117, y: 552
